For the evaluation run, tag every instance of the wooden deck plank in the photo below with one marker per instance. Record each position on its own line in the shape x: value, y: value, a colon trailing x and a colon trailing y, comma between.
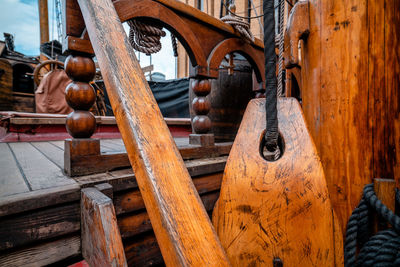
x: 59, y: 144
x: 53, y: 153
x: 112, y: 146
x: 11, y: 180
x: 39, y: 171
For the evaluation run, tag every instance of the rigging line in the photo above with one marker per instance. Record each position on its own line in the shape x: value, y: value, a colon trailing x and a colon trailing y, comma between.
x: 281, y: 40
x: 255, y: 12
x: 245, y: 17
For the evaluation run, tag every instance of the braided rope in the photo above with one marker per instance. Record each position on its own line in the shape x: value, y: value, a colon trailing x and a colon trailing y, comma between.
x: 281, y: 43
x: 380, y: 208
x: 271, y: 133
x: 382, y: 249
x: 242, y: 27
x: 174, y: 45
x: 145, y: 38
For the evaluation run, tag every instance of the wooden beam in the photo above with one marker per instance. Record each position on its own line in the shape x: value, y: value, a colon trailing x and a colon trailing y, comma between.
x: 176, y: 212
x: 101, y: 240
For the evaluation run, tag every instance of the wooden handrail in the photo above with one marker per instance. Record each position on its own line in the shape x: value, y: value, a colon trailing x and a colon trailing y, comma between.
x: 181, y: 224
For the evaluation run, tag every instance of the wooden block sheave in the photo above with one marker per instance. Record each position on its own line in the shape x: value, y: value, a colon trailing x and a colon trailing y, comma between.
x: 276, y: 209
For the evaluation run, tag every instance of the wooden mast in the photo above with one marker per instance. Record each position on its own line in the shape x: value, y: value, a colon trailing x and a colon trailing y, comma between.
x: 44, y: 21
x: 44, y: 24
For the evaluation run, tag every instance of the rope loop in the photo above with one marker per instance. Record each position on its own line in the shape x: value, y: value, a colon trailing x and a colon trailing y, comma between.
x: 146, y: 38
x: 242, y: 27
x: 382, y: 249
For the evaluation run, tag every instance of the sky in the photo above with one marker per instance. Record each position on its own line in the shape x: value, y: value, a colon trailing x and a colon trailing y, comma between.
x: 21, y: 18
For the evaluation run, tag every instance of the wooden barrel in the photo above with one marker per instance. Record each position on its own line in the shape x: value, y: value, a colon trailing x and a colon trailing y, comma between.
x: 229, y: 97
x: 350, y: 88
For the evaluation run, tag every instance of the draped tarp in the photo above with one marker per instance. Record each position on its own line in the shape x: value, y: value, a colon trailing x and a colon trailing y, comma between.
x: 172, y: 97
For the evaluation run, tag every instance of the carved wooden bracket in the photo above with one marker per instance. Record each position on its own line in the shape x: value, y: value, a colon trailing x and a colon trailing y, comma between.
x: 298, y: 27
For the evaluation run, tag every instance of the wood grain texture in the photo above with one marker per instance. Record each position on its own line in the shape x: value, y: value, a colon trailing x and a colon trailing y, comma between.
x: 32, y: 200
x: 34, y: 226
x: 133, y: 201
x: 40, y: 172
x: 276, y: 209
x: 177, y: 215
x: 11, y: 179
x: 385, y: 190
x: 101, y: 240
x: 350, y: 72
x: 43, y: 254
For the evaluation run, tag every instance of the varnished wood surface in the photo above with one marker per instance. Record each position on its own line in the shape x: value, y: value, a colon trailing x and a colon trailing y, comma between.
x: 350, y: 87
x: 178, y: 217
x: 276, y: 209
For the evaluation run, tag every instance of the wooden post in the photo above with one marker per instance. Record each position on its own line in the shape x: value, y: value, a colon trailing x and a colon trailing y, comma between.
x: 101, y: 239
x: 201, y: 123
x: 44, y: 21
x: 81, y: 123
x: 180, y: 222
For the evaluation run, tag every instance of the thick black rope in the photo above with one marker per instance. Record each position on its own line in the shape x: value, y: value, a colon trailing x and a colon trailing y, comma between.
x: 271, y: 135
x: 382, y: 249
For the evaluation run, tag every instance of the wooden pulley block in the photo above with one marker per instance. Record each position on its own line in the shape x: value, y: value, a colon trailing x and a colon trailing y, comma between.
x: 276, y: 210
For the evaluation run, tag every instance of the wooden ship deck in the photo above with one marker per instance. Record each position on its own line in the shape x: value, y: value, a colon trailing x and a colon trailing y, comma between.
x: 62, y: 201
x: 40, y: 204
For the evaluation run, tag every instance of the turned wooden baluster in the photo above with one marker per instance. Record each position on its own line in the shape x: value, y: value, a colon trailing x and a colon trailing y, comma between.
x: 81, y: 123
x: 201, y: 123
x: 81, y: 96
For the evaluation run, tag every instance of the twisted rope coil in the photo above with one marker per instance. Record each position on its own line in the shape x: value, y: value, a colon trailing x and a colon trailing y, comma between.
x: 147, y: 38
x: 242, y: 27
x: 382, y: 249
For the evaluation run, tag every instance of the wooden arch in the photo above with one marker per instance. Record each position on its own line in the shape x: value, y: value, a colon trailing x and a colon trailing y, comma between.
x: 204, y: 37
x: 235, y: 45
x: 130, y: 9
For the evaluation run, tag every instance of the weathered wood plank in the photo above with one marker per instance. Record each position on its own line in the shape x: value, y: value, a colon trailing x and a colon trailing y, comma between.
x: 39, y: 171
x: 59, y: 144
x: 54, y: 154
x: 138, y: 223
x: 101, y: 240
x: 38, y: 199
x: 39, y: 225
x: 43, y: 254
x: 125, y: 179
x: 11, y: 179
x: 113, y: 146
x: 143, y: 251
x: 133, y: 201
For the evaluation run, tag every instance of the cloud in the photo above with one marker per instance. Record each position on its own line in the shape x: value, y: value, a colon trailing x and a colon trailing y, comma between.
x: 21, y: 18
x: 163, y: 61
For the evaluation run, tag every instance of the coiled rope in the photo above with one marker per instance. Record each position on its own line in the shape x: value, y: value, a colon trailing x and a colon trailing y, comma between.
x: 146, y: 38
x: 382, y: 249
x: 242, y: 27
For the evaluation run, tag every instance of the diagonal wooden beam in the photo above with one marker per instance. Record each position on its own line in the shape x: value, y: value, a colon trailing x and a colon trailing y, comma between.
x: 180, y: 222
